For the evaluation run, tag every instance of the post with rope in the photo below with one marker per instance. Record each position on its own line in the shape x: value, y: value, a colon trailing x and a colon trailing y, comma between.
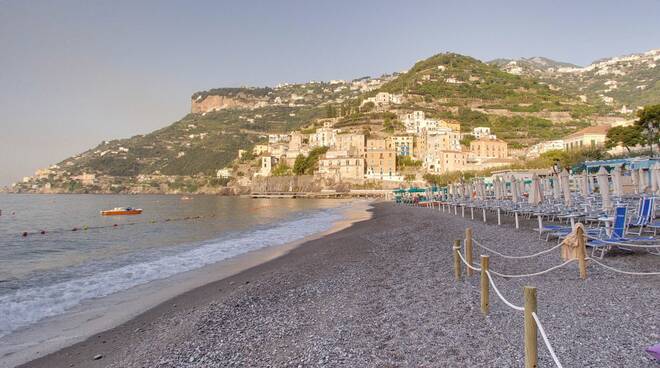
x: 485, y: 286
x: 581, y: 251
x: 530, y: 328
x: 468, y: 249
x: 457, y: 260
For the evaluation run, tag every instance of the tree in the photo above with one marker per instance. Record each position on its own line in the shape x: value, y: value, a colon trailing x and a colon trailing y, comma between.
x: 281, y: 169
x: 629, y: 136
x: 300, y: 165
x: 649, y: 121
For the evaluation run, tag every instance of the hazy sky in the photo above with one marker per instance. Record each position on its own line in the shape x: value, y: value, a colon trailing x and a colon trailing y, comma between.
x: 74, y: 73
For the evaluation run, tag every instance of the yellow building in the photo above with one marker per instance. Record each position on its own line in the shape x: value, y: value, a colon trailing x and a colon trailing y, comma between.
x: 589, y: 137
x: 489, y: 148
x: 404, y: 145
x: 380, y: 160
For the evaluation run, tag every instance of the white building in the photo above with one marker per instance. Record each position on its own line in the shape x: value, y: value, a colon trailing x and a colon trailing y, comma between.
x: 416, y: 123
x: 482, y: 132
x: 278, y: 138
x: 323, y: 137
x: 543, y: 147
x: 224, y: 173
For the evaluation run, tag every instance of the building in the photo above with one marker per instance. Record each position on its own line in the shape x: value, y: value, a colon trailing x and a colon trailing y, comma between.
x: 543, y: 147
x: 404, y: 145
x: 489, y: 148
x: 383, y: 99
x: 278, y: 138
x: 352, y: 144
x: 446, y: 161
x: 380, y: 160
x: 267, y: 165
x: 416, y: 123
x: 224, y: 173
x: 481, y: 132
x: 323, y: 137
x: 443, y: 140
x: 340, y: 167
x: 260, y: 149
x: 85, y: 179
x: 588, y: 137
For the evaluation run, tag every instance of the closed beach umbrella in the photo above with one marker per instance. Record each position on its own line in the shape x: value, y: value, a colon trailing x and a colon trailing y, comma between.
x: 584, y: 183
x: 556, y: 192
x: 643, y: 181
x: 514, y: 190
x: 656, y: 177
x: 634, y: 175
x: 566, y: 188
x: 535, y: 196
x: 604, y: 187
x: 617, y: 181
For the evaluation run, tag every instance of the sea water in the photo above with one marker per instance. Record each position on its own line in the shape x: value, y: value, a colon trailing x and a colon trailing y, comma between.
x: 71, y: 254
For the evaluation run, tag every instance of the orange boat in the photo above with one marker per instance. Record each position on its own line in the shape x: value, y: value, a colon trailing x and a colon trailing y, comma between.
x: 121, y: 211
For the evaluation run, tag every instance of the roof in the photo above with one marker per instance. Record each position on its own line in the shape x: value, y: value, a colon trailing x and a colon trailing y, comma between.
x: 597, y: 129
x: 486, y: 139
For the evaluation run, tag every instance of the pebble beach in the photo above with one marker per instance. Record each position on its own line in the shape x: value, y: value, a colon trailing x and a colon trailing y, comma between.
x: 382, y: 293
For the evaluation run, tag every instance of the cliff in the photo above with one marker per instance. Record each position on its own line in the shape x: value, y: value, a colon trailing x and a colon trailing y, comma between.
x: 210, y: 103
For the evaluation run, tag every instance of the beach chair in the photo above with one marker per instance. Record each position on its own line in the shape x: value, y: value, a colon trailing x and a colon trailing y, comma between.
x: 618, y: 235
x: 644, y: 215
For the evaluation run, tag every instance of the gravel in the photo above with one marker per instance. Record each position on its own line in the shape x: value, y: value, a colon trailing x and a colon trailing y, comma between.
x: 382, y: 294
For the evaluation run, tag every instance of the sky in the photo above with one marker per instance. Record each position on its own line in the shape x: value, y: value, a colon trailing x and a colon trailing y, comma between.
x: 76, y: 72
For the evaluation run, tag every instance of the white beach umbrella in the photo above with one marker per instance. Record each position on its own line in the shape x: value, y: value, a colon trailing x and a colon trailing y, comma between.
x: 535, y: 195
x: 634, y: 175
x: 514, y: 190
x: 655, y: 177
x: 617, y: 181
x: 584, y: 183
x: 604, y: 187
x: 566, y: 188
x: 556, y: 192
x: 501, y: 189
x: 643, y: 180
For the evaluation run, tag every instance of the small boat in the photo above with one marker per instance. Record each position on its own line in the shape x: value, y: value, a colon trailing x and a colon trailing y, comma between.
x: 121, y: 211
x: 186, y: 198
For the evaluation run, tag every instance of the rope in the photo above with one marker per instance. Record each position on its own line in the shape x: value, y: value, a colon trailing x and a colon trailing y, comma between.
x: 534, y: 274
x: 545, y: 339
x: 490, y: 279
x: 624, y: 244
x: 624, y: 272
x: 516, y: 257
x: 464, y: 261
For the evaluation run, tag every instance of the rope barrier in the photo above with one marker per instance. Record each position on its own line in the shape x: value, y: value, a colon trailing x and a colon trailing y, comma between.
x: 464, y: 261
x: 545, y: 339
x: 511, y: 305
x: 625, y: 244
x: 536, y: 273
x: 515, y: 257
x: 621, y: 271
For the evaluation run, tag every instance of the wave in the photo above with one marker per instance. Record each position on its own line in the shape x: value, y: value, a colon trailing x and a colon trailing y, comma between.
x: 28, y: 306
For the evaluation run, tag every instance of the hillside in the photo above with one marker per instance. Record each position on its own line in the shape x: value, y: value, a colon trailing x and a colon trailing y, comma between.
x: 522, y: 109
x: 631, y: 80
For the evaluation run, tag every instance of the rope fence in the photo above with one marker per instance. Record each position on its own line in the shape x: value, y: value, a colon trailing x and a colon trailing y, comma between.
x: 515, y: 257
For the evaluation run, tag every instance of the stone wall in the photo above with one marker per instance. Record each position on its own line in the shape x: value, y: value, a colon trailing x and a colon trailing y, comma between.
x: 305, y: 183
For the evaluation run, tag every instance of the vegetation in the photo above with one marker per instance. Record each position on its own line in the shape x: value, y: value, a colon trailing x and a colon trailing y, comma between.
x: 649, y: 123
x: 627, y: 137
x: 406, y: 161
x: 307, y: 165
x: 282, y: 169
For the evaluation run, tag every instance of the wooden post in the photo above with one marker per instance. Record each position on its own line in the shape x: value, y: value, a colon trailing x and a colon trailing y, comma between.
x: 530, y: 328
x: 540, y: 218
x: 582, y: 252
x: 484, y: 212
x: 468, y: 249
x: 499, y: 218
x: 463, y: 210
x: 472, y: 212
x: 485, y: 286
x: 457, y: 260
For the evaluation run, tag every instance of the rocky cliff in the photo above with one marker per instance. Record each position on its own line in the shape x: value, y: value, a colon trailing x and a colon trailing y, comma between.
x: 202, y: 104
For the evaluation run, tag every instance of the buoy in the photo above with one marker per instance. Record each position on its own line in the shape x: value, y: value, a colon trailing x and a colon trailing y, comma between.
x: 115, y: 225
x: 74, y: 229
x: 43, y: 232
x: 24, y: 233
x: 85, y: 227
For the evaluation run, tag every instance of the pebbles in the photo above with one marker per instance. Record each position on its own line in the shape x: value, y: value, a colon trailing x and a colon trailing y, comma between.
x: 381, y: 293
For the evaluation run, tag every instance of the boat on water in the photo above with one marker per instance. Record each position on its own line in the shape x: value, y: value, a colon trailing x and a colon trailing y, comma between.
x: 117, y: 211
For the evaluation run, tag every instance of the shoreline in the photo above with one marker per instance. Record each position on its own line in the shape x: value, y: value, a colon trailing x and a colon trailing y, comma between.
x: 90, y: 318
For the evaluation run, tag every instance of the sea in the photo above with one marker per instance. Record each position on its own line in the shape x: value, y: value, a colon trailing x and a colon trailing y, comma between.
x: 59, y: 256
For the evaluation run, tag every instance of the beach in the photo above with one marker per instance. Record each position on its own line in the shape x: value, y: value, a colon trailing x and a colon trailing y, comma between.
x: 381, y: 293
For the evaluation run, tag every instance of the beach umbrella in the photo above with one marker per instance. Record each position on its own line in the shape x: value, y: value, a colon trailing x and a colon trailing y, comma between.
x: 617, y: 181
x: 604, y: 187
x: 634, y: 175
x: 566, y: 187
x: 556, y: 192
x: 514, y: 190
x: 584, y: 183
x: 535, y: 195
x: 655, y: 177
x: 643, y: 181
